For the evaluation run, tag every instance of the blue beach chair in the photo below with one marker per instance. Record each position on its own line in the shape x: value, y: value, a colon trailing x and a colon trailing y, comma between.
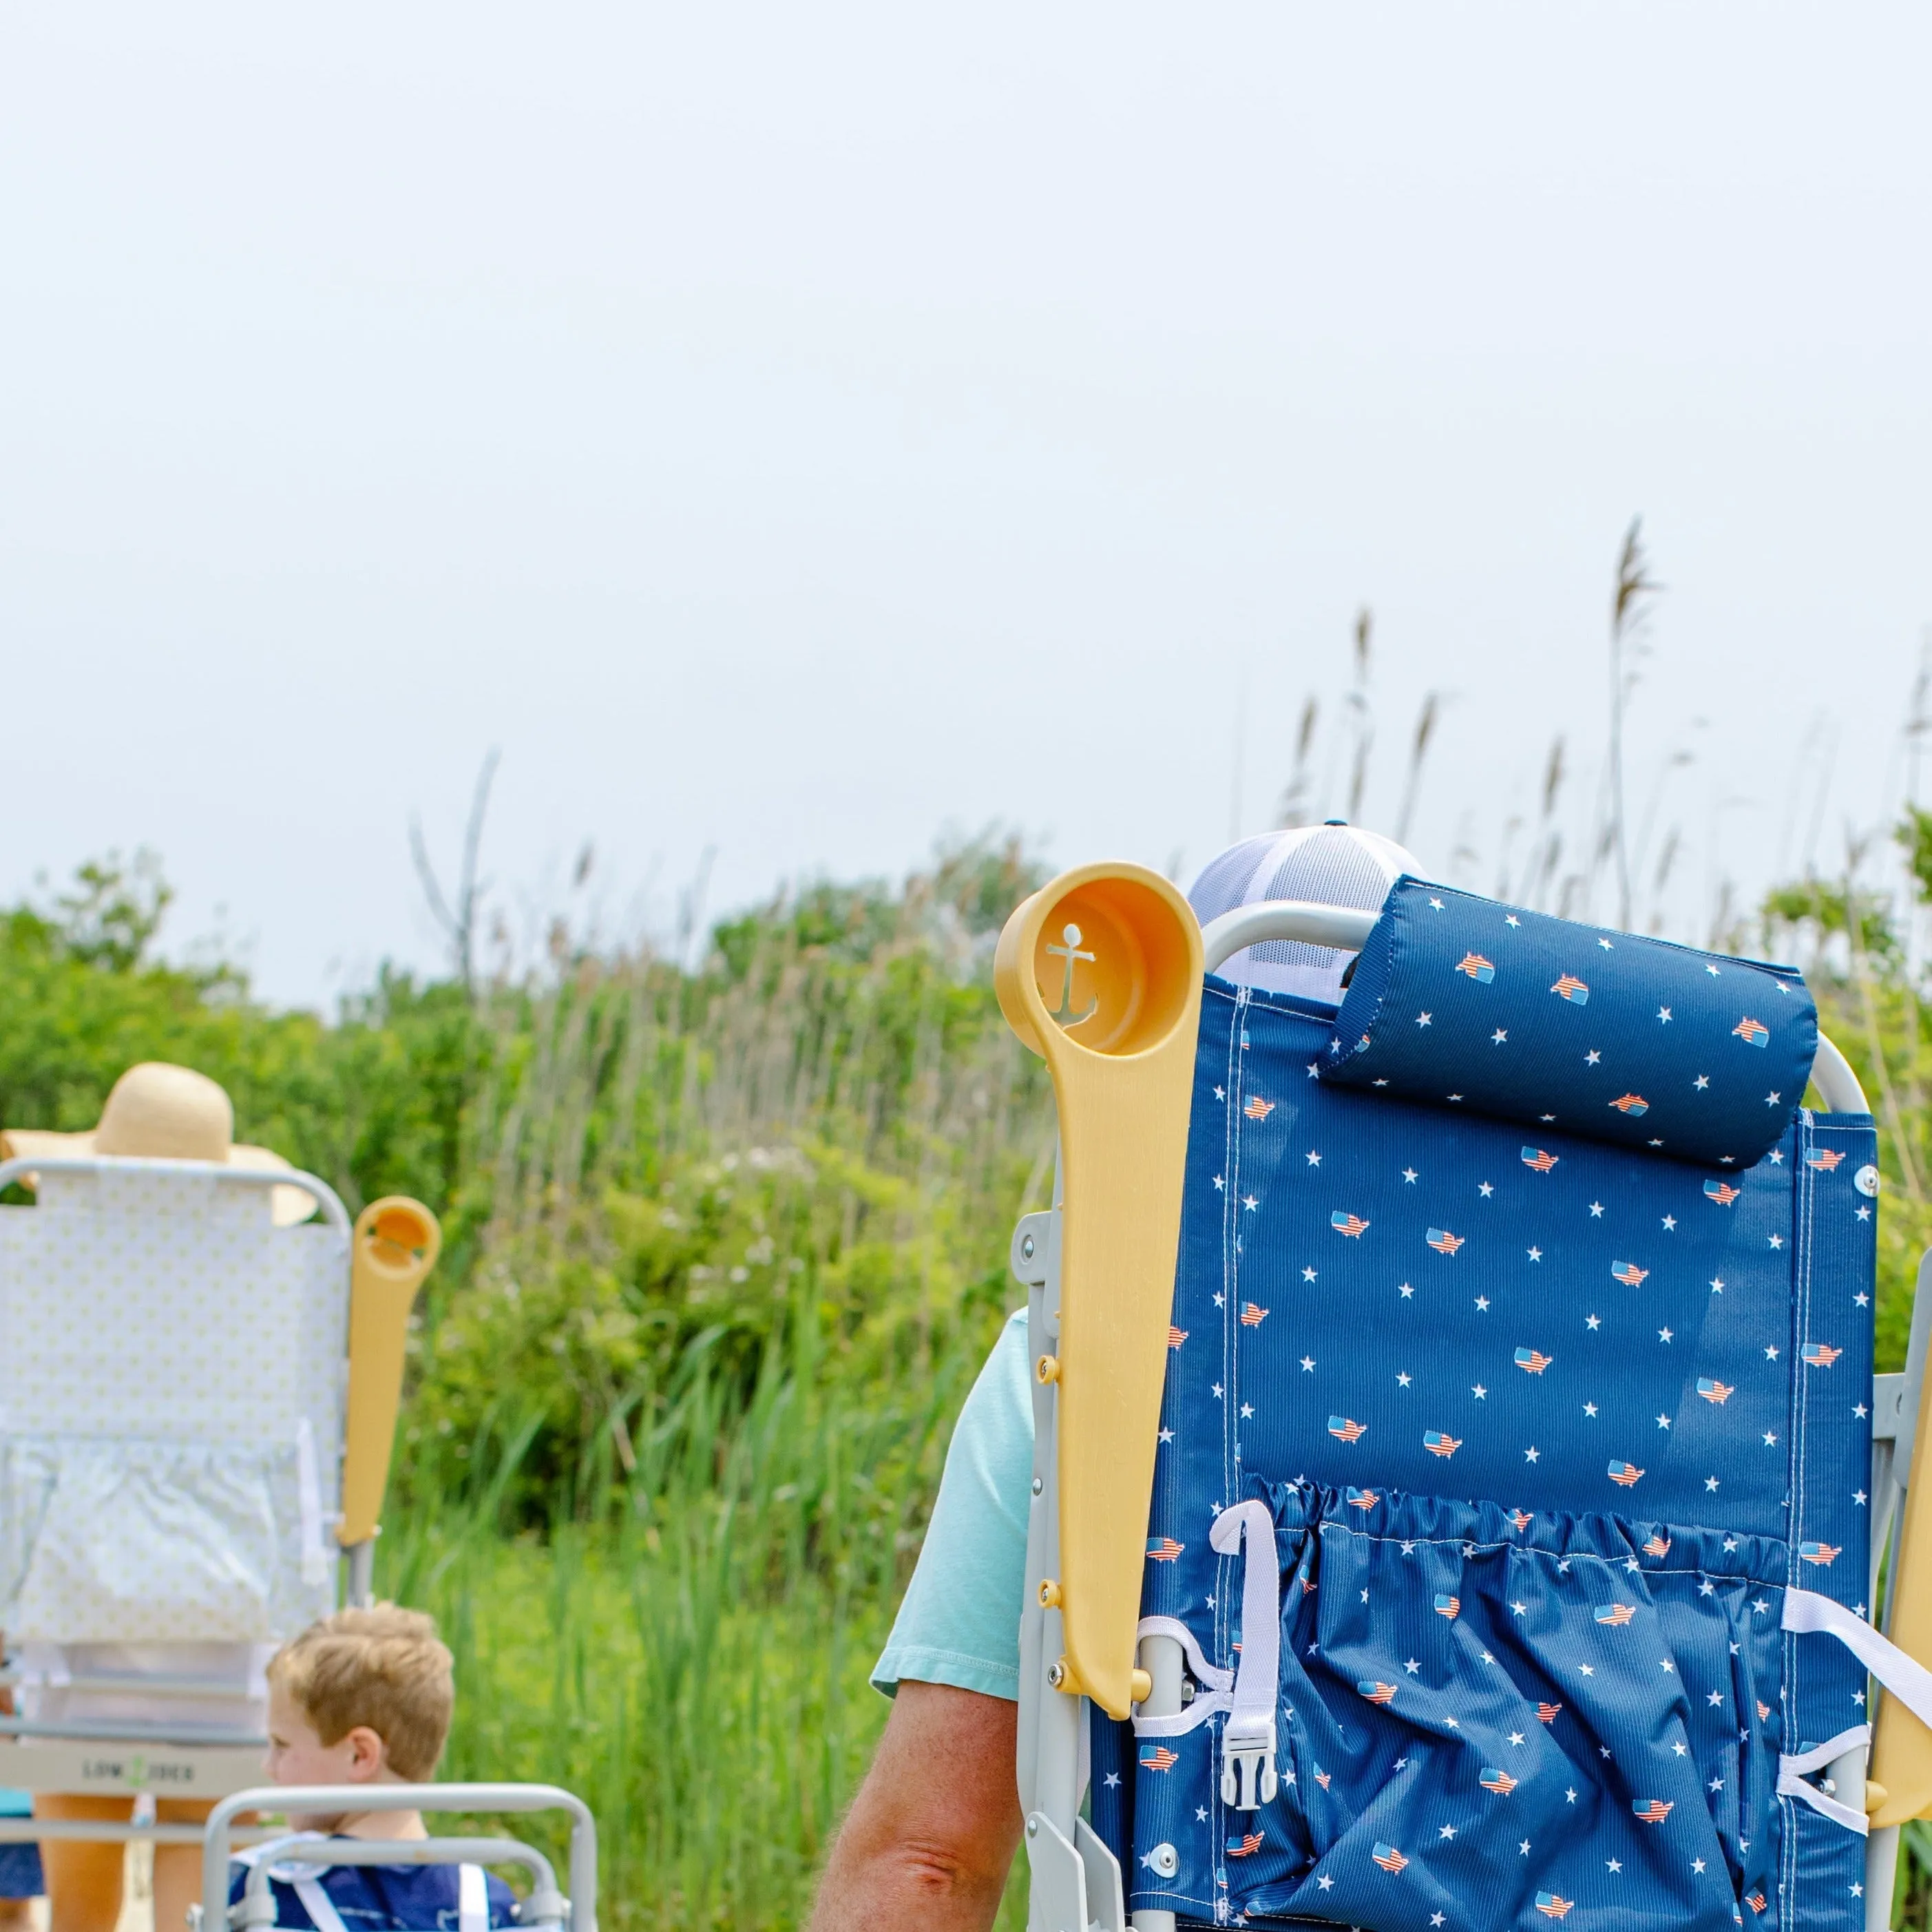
x: 1460, y: 1479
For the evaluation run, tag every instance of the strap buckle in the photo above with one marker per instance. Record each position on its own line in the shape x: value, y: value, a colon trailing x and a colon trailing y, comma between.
x: 1247, y: 1763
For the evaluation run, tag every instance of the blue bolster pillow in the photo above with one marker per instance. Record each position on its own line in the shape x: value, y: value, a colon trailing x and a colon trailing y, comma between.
x: 1463, y: 1001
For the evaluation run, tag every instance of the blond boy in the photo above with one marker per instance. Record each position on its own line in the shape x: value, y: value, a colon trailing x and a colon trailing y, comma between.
x: 365, y: 1696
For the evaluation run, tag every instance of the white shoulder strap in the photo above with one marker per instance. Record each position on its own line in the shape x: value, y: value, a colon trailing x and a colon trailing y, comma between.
x: 472, y: 1900
x: 317, y: 1903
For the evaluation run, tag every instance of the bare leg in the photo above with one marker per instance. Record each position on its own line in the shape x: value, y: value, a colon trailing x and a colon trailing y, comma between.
x: 83, y: 1881
x: 177, y: 1867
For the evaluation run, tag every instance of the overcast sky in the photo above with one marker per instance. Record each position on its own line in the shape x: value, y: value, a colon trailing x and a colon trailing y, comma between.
x: 793, y: 430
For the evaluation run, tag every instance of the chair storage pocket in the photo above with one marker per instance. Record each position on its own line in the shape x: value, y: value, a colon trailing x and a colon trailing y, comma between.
x: 107, y: 1541
x: 1499, y: 1717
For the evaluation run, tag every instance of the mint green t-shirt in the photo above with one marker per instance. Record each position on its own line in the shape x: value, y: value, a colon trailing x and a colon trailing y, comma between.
x: 960, y: 1622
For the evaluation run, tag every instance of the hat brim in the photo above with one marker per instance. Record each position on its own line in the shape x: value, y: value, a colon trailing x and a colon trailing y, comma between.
x: 287, y: 1206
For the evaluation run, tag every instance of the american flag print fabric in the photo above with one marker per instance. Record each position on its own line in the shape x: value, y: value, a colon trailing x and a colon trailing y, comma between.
x: 1543, y: 1324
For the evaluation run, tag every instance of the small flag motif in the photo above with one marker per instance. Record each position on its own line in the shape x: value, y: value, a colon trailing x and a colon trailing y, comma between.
x: 1763, y: 1710
x: 1532, y: 1361
x: 1253, y: 1315
x: 1376, y: 1691
x: 1614, y: 1615
x: 1388, y: 1858
x: 1630, y: 1103
x: 1444, y: 1243
x: 1500, y: 1782
x: 1624, y: 1474
x: 1658, y: 1545
x: 1258, y: 1109
x: 1308, y: 1586
x: 1820, y: 1355
x: 1548, y: 1713
x: 1245, y: 1845
x: 1753, y: 1032
x: 1351, y: 1225
x: 1321, y: 1777
x: 1824, y: 1159
x: 1537, y: 1158
x: 1155, y: 1756
x: 1175, y: 1336
x: 1629, y: 1273
x: 1651, y: 1811
x: 1362, y: 1499
x: 1552, y: 1905
x: 1164, y: 1549
x: 1721, y: 1192
x: 1437, y: 1444
x: 1522, y: 1519
x: 1758, y: 1902
x: 1714, y: 1391
x: 1572, y: 989
x: 1819, y: 1553
x: 1346, y: 1429
x: 1477, y: 967
x: 1451, y: 1607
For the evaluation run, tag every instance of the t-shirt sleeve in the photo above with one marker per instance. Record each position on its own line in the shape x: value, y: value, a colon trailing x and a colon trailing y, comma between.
x: 960, y: 1622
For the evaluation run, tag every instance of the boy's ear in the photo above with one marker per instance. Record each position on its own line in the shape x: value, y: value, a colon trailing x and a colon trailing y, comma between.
x: 368, y: 1755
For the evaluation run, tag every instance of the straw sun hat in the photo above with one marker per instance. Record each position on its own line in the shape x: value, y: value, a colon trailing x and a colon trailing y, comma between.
x: 160, y: 1112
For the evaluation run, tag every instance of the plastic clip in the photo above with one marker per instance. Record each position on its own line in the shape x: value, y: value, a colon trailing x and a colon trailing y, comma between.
x: 1247, y: 1764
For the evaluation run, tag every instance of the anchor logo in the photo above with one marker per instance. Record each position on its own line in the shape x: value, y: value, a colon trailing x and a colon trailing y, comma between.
x: 1064, y: 1013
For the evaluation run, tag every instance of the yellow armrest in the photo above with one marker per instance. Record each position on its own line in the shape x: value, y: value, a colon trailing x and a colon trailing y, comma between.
x: 396, y: 1244
x: 1901, y: 1759
x: 1099, y: 972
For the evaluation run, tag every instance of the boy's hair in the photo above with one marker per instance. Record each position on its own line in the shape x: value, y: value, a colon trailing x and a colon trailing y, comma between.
x: 384, y: 1667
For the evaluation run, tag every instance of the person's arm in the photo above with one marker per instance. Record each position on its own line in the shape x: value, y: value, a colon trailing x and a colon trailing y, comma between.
x: 930, y: 1836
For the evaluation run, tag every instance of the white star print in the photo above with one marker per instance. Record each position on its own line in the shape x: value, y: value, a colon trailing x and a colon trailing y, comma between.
x: 1327, y: 1884
x: 1448, y: 1831
x: 1716, y: 1784
x: 1454, y: 1723
x: 1663, y: 1422
x: 1524, y: 1848
x: 1314, y: 1159
x: 1408, y: 1548
x: 1663, y: 1014
x: 1696, y: 1864
x: 1365, y: 1596
x: 1201, y: 1814
x: 1669, y: 1223
x: 1778, y: 1241
x: 1435, y: 1919
x: 1707, y: 1588
x: 1487, y: 1658
x: 1497, y: 1038
x: 1424, y: 1019
x: 1864, y: 1213
x: 1247, y: 1412
x: 1772, y: 1099
x: 1536, y: 1254
x: 1589, y: 1408
x: 1412, y: 1666
x: 1716, y: 1284
x: 1409, y: 1174
x: 1605, y: 944
x: 1249, y: 1202
x: 1591, y: 1058
x: 1531, y: 1455
x: 1407, y: 1293
x: 1770, y: 1440
x: 1314, y: 1070
x: 1402, y: 1379
x: 1436, y: 905
x: 1713, y: 971
x: 1521, y: 1609
x: 1308, y: 1363
x: 1596, y: 1210
x: 1220, y: 1092
x: 1713, y: 1698
x: 1482, y: 1303
x: 1483, y: 1188
x: 1516, y: 1737
x: 1669, y: 1669
x: 1730, y: 1544
x: 1778, y: 1156
x: 1663, y: 1334
x: 1613, y: 1865
x: 1859, y: 1497
x: 1590, y: 1670
x: 1217, y: 1391
x: 1859, y: 1412
x: 1220, y: 1301
x: 1113, y: 1779
x: 1570, y: 1796
x: 1860, y: 1300
x: 1711, y: 1483
x: 1702, y: 1081
x: 1771, y: 1352
x: 1593, y: 1321
x: 1308, y: 1274
x: 1221, y: 1184
x: 1167, y: 1435
x: 1511, y: 920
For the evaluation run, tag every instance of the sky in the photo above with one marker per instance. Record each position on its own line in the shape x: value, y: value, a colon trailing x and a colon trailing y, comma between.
x: 789, y: 434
